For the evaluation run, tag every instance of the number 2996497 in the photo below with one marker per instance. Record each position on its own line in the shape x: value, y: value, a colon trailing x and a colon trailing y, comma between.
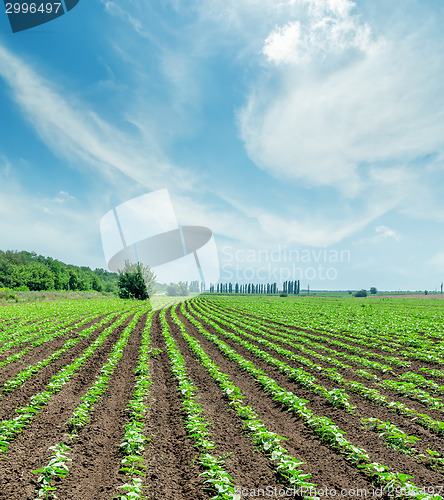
x: 33, y: 8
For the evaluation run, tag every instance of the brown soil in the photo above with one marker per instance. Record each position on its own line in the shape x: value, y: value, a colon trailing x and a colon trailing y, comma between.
x: 172, y: 468
x: 29, y: 451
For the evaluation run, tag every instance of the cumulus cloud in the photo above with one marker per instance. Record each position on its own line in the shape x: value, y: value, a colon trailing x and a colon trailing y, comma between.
x: 328, y: 27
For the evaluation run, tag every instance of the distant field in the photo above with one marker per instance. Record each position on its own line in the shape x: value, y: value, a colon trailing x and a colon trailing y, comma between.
x: 11, y: 296
x: 222, y: 397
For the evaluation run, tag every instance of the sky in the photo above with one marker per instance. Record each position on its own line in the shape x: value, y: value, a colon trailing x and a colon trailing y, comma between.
x: 308, y: 135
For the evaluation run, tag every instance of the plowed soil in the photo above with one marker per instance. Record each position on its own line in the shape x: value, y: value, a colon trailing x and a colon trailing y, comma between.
x: 172, y: 467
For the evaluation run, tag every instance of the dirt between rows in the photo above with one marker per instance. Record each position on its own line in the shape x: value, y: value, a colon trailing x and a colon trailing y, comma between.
x: 41, y: 352
x: 95, y: 454
x: 29, y: 451
x: 172, y: 471
x: 21, y: 395
x: 366, y: 439
x: 327, y: 468
x: 348, y: 338
x: 415, y: 365
x: 172, y: 468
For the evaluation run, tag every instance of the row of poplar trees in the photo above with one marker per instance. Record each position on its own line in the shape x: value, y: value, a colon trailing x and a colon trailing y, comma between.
x: 262, y: 288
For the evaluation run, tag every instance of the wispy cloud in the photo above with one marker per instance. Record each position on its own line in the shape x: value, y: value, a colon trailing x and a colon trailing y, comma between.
x: 5, y: 167
x: 328, y: 107
x: 74, y: 131
x: 63, y: 197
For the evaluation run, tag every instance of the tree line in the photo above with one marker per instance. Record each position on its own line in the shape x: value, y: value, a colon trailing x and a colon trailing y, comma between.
x: 29, y: 271
x: 291, y: 287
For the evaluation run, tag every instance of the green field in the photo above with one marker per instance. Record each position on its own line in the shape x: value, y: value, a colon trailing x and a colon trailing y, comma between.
x: 222, y: 397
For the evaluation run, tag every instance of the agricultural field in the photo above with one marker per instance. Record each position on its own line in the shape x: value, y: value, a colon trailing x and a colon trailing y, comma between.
x: 222, y: 397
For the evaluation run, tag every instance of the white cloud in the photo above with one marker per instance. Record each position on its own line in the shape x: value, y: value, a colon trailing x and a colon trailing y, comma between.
x: 63, y: 197
x: 327, y: 27
x: 317, y: 232
x: 384, y: 232
x: 346, y: 104
x: 341, y: 109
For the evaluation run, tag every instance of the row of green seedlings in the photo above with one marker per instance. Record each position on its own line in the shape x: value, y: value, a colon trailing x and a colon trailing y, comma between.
x: 196, y: 422
x: 431, y: 354
x: 433, y: 371
x: 264, y: 312
x: 325, y: 428
x: 288, y: 338
x: 338, y: 398
x: 134, y: 439
x: 385, y: 331
x: 372, y: 395
x: 304, y: 337
x: 11, y: 384
x: 21, y: 331
x: 44, y: 337
x: 399, y: 440
x: 390, y: 433
x: 9, y: 429
x: 287, y: 466
x: 408, y: 389
x: 411, y: 377
x: 415, y: 380
x: 411, y: 390
x: 57, y: 465
x: 81, y: 312
x: 417, y: 348
x: 32, y: 319
x: 43, y: 334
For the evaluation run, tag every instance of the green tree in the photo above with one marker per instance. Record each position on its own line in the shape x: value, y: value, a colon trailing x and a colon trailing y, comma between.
x: 373, y: 290
x: 61, y: 277
x: 96, y: 284
x: 183, y: 289
x: 73, y: 280
x: 35, y: 276
x: 180, y: 289
x: 361, y: 293
x: 173, y: 290
x: 5, y: 272
x: 136, y: 281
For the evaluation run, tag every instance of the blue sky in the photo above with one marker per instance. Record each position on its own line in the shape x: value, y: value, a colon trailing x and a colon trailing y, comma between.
x: 293, y: 125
